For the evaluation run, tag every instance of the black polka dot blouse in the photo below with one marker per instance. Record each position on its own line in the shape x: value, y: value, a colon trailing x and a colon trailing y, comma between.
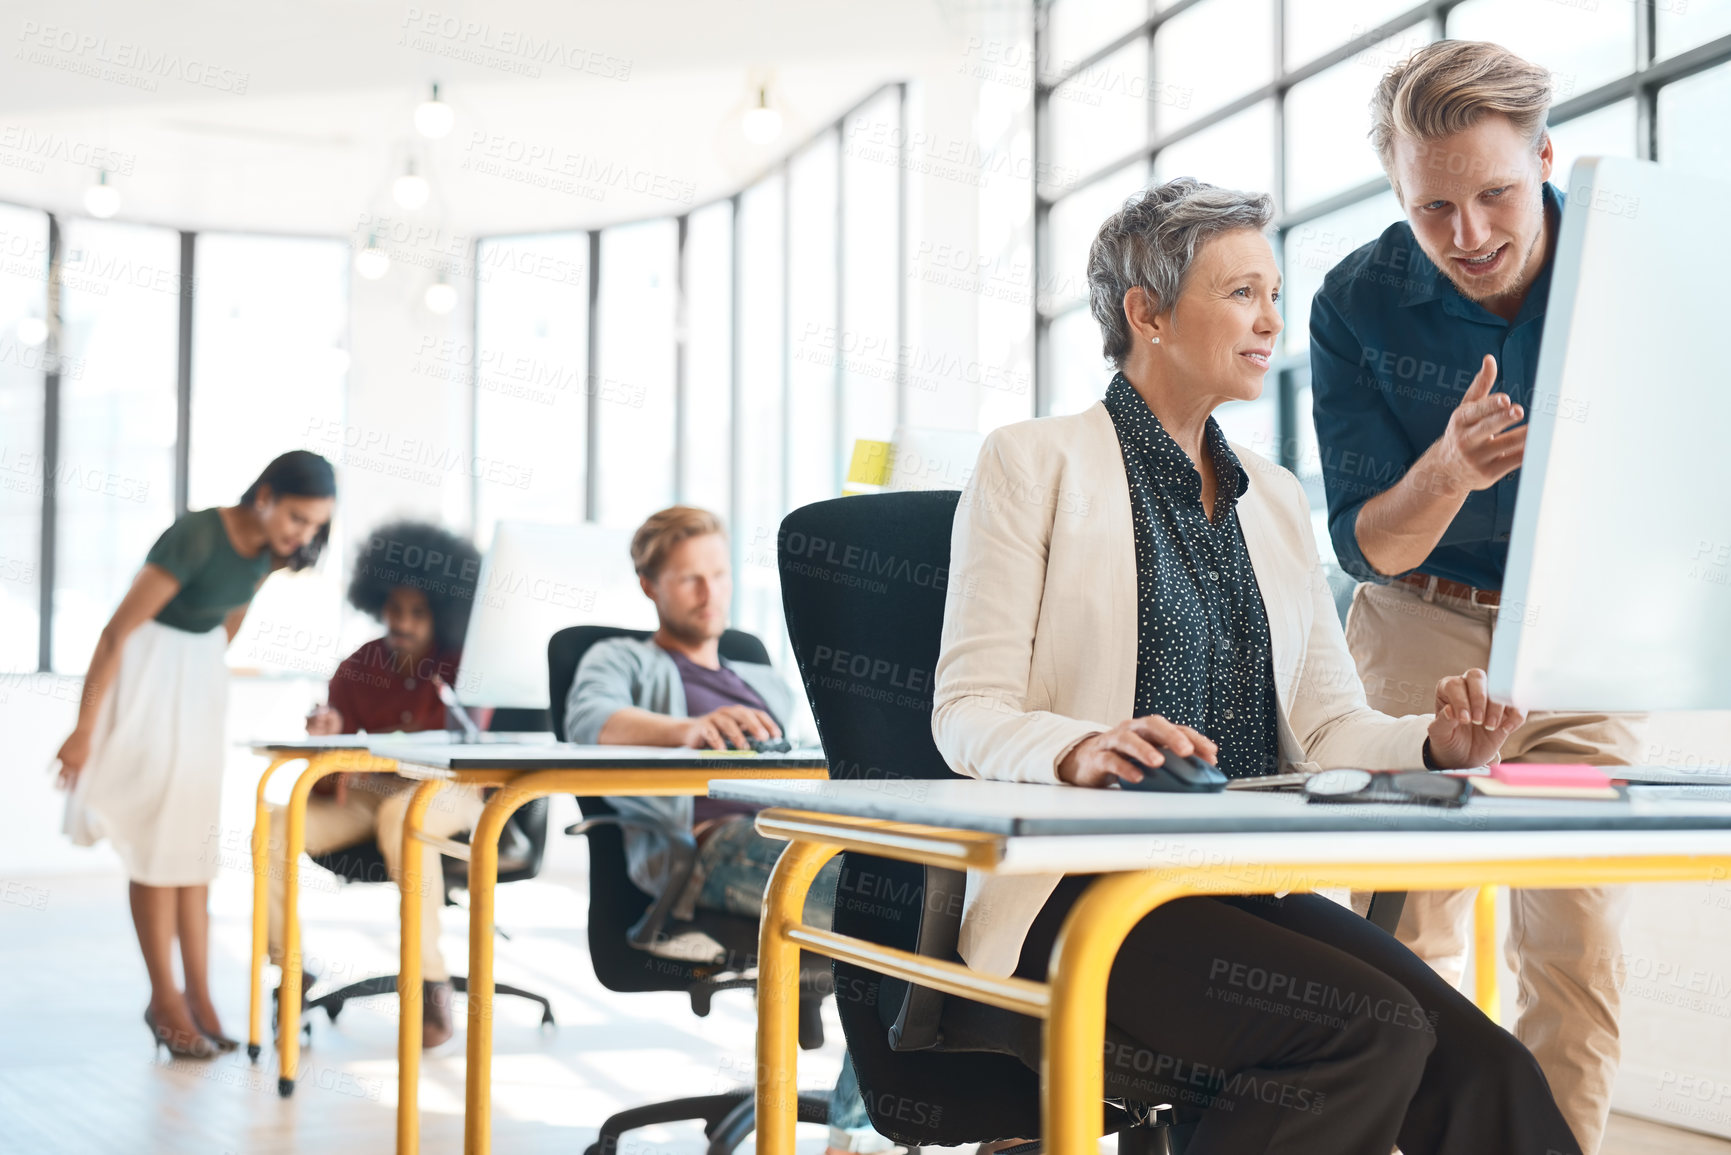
x: 1203, y: 655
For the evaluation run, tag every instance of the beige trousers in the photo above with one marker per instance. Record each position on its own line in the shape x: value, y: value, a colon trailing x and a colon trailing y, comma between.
x: 1564, y: 946
x: 373, y: 811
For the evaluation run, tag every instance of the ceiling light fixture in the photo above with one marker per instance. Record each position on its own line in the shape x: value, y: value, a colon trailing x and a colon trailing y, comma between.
x: 372, y: 262
x: 761, y: 124
x: 434, y: 118
x: 102, y: 200
x: 441, y: 296
x: 411, y: 190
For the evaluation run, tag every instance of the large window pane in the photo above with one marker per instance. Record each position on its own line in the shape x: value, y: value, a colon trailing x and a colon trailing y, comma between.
x: 1314, y: 27
x: 269, y: 357
x: 709, y: 357
x: 1074, y: 28
x: 1315, y: 248
x: 1207, y: 55
x: 120, y: 310
x: 24, y: 349
x: 1328, y: 122
x: 269, y: 366
x: 1072, y: 226
x: 812, y: 468
x: 762, y: 446
x: 1607, y: 132
x: 868, y: 341
x: 531, y: 365
x: 1683, y: 24
x: 1692, y: 117
x: 1584, y: 45
x: 1097, y: 117
x: 639, y: 291
x: 1236, y: 153
x: 1079, y: 370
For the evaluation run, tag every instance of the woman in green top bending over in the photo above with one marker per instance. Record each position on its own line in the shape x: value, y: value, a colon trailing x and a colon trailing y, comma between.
x: 144, y: 764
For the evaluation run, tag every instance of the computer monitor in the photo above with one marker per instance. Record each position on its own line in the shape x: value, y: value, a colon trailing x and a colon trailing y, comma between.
x: 536, y: 580
x: 1617, y: 594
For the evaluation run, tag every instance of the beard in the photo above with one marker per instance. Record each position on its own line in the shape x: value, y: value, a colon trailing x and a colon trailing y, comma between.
x: 1514, y: 280
x: 691, y: 631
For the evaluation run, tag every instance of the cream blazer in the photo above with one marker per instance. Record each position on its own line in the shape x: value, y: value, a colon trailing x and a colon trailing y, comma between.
x: 1039, y: 639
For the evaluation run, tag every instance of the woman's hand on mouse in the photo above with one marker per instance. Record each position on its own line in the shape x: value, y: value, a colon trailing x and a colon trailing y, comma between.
x: 1469, y: 727
x: 1121, y: 752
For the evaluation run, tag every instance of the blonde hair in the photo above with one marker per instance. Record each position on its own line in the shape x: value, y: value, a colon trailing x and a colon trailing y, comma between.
x: 1449, y: 86
x: 656, y: 537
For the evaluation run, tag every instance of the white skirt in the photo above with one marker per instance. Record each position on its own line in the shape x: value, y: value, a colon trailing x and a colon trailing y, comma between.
x: 153, y: 785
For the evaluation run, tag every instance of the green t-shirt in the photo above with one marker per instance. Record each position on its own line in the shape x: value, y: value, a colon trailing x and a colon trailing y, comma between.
x: 213, y: 578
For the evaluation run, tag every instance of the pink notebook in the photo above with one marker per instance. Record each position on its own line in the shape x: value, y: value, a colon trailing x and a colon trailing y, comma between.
x: 1549, y: 774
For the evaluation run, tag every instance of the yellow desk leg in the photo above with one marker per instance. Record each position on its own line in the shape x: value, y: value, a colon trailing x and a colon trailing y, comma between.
x: 1072, y: 1082
x: 1485, y: 954
x: 483, y: 880
x: 288, y: 1012
x: 778, y: 995
x: 260, y: 909
x: 409, y: 975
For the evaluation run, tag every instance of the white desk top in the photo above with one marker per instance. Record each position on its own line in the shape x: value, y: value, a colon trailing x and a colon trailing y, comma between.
x: 1056, y: 829
x: 309, y: 744
x: 550, y: 755
x: 1023, y: 809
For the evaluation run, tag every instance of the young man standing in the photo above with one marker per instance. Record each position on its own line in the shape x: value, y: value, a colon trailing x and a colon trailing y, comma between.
x: 1410, y: 335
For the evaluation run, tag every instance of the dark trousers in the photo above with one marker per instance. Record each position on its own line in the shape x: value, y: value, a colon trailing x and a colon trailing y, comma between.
x: 1292, y: 1025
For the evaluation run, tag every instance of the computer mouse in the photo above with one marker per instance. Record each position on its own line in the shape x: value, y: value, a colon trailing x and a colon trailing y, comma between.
x: 764, y: 745
x: 1179, y: 774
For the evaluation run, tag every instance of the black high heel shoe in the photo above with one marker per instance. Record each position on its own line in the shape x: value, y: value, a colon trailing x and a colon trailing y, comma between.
x: 200, y: 1047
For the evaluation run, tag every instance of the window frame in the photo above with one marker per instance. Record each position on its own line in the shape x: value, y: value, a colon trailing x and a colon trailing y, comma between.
x: 1643, y: 83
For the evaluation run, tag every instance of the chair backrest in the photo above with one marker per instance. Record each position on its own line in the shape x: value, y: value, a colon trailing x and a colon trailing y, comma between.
x: 615, y: 903
x: 864, y: 581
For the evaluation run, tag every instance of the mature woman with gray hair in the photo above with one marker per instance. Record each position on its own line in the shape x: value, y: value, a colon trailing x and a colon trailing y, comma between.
x: 1147, y: 587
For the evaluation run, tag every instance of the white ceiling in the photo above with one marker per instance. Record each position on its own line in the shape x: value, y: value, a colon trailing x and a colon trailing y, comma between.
x: 296, y: 117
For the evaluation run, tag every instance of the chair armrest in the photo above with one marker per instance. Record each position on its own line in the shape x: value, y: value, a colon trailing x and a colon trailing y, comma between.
x: 682, y: 860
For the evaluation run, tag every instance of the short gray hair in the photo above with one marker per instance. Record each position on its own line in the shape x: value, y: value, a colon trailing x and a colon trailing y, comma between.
x: 1152, y: 241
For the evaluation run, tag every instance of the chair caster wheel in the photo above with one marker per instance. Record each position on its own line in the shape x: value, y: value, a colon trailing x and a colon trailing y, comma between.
x: 285, y: 1087
x: 252, y: 1051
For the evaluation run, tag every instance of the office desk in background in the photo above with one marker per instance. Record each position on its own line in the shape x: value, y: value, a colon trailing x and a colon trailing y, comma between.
x: 324, y: 755
x: 523, y: 774
x: 1153, y: 848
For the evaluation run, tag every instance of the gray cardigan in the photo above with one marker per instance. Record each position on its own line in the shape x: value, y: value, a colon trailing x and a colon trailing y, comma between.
x: 623, y: 672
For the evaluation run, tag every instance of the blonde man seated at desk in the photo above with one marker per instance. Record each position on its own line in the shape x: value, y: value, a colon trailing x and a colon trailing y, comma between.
x: 420, y: 581
x: 675, y: 689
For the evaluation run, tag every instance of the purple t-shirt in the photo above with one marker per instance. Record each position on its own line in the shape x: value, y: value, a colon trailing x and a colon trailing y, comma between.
x: 707, y: 690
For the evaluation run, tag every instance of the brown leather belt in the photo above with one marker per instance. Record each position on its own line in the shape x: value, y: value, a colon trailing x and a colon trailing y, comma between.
x: 1432, y: 584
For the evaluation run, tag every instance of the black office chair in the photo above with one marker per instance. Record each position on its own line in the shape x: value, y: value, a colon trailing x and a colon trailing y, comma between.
x: 522, y: 846
x: 936, y: 1070
x: 627, y: 928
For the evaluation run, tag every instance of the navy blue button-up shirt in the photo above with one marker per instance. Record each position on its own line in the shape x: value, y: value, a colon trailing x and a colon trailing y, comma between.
x: 1393, y: 347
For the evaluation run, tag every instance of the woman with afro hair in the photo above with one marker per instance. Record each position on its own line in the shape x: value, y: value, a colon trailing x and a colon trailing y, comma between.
x: 420, y: 582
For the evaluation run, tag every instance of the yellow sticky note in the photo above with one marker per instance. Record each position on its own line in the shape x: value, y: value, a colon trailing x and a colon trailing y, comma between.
x: 870, y: 467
